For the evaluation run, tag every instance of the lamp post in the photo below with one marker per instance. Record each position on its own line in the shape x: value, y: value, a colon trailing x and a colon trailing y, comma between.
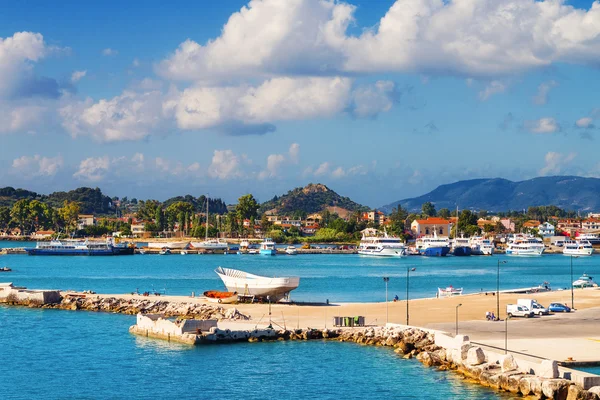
x: 498, y: 289
x: 506, y: 334
x: 572, y: 292
x: 386, y: 279
x: 408, y: 270
x: 270, y: 323
x: 456, y: 332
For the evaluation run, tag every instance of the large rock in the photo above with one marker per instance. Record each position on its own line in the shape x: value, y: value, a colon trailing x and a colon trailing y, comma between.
x: 525, y: 385
x: 536, y: 386
x: 425, y: 358
x: 475, y: 356
x: 595, y: 390
x: 556, y: 388
x: 513, y: 383
x: 548, y: 369
x: 508, y: 363
x: 575, y: 393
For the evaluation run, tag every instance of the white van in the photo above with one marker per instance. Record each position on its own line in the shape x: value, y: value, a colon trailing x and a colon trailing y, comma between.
x: 516, y: 310
x: 534, y: 306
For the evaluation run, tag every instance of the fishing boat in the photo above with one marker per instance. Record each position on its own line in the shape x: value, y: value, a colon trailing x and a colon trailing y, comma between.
x: 255, y: 285
x: 577, y: 248
x: 461, y: 246
x: 267, y: 247
x: 382, y: 246
x: 449, y: 291
x: 81, y: 248
x: 221, y: 297
x: 433, y: 246
x: 291, y: 250
x: 585, y: 281
x: 525, y: 246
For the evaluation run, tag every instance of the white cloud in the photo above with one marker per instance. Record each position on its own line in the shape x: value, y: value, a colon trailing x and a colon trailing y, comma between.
x: 108, y: 52
x: 494, y: 87
x: 77, y: 75
x: 294, y: 153
x: 322, y: 169
x: 338, y: 173
x: 17, y: 55
x: 541, y: 97
x: 585, y: 122
x: 274, y: 164
x: 370, y: 100
x: 542, y: 125
x: 37, y: 165
x: 225, y: 165
x: 22, y: 116
x: 326, y: 169
x: 556, y: 162
x: 93, y: 169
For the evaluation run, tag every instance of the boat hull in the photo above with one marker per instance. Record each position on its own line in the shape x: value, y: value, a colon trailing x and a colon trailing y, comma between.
x: 255, y: 285
x: 384, y: 252
x: 81, y: 252
x: 221, y: 297
x: 168, y: 245
x: 209, y: 246
x: 267, y: 252
x: 434, y: 251
x: 462, y: 251
x: 578, y: 252
x: 516, y: 252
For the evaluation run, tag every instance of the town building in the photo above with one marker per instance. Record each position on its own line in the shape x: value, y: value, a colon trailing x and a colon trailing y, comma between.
x: 546, y: 229
x: 440, y: 226
x: 569, y: 226
x: 138, y: 230
x: 591, y: 224
x: 84, y: 220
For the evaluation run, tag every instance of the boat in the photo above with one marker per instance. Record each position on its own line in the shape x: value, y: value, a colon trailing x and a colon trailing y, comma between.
x: 382, y: 246
x: 525, y: 246
x: 267, y: 247
x: 593, y: 238
x: 585, y: 281
x: 81, y: 248
x: 258, y: 286
x: 461, y: 246
x: 433, y: 246
x: 244, y: 244
x: 253, y: 251
x: 481, y: 246
x: 168, y: 245
x: 5, y: 269
x: 209, y: 244
x: 577, y: 248
x: 291, y: 250
x: 183, y: 252
x: 449, y: 291
x: 221, y: 297
x: 165, y: 251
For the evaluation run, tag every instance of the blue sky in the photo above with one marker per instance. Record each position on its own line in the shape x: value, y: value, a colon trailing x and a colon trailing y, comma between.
x: 380, y: 100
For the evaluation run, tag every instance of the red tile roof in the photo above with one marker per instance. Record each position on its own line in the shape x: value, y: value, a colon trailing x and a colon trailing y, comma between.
x: 433, y: 221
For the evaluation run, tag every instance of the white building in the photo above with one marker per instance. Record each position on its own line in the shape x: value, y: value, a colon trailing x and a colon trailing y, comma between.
x: 546, y: 229
x: 84, y: 220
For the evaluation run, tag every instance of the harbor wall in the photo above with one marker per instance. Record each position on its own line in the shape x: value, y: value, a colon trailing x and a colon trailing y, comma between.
x: 10, y: 293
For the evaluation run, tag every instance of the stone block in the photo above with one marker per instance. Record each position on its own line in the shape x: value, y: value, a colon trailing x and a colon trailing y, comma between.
x: 557, y: 389
x: 575, y: 393
x: 475, y: 356
x: 595, y: 390
x: 508, y: 363
x: 548, y: 369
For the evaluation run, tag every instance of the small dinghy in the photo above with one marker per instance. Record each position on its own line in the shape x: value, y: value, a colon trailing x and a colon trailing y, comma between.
x: 5, y: 269
x: 221, y: 297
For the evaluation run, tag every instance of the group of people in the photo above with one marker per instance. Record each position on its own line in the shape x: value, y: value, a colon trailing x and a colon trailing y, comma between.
x: 490, y: 316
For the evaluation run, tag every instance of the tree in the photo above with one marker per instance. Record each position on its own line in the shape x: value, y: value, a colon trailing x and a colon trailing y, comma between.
x: 159, y: 218
x: 444, y: 213
x: 265, y: 224
x: 39, y: 214
x: 397, y: 218
x: 69, y: 213
x: 4, y: 217
x: 20, y: 214
x: 247, y: 207
x: 428, y: 209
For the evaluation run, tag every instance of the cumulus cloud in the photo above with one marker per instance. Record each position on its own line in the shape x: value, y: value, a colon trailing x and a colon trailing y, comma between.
x: 93, y: 169
x: 226, y: 165
x: 370, y: 100
x: 77, y: 75
x: 541, y: 96
x: 585, y: 123
x: 556, y: 162
x: 275, y: 162
x: 542, y: 125
x: 108, y: 52
x: 23, y: 116
x: 294, y: 153
x: 37, y: 165
x: 326, y: 169
x: 494, y: 87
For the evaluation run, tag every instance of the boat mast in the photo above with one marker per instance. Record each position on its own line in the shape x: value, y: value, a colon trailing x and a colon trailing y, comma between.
x: 206, y: 230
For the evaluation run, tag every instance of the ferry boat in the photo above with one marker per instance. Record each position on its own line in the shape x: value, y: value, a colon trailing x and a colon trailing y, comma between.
x: 481, y: 246
x: 382, y: 246
x: 593, y: 238
x: 525, y: 246
x: 461, y: 246
x: 80, y: 248
x: 433, y: 246
x: 248, y: 284
x: 585, y: 281
x: 577, y: 248
x: 267, y: 247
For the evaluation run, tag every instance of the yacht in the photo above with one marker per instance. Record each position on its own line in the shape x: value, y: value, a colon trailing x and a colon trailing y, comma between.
x: 585, y: 281
x: 267, y: 247
x: 383, y: 246
x: 291, y: 250
x: 593, y: 238
x: 481, y: 246
x: 209, y: 244
x: 461, y: 246
x: 433, y: 246
x: 80, y: 248
x: 525, y: 246
x: 577, y: 248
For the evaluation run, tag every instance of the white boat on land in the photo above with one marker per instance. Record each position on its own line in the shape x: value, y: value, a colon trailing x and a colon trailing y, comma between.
x: 382, y: 246
x: 585, y: 281
x: 577, y: 248
x: 267, y: 247
x: 168, y: 245
x: 258, y: 286
x: 291, y: 250
x: 481, y: 246
x: 449, y: 291
x: 525, y: 246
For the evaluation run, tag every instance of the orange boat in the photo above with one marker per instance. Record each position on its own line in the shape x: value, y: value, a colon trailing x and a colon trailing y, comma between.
x: 221, y: 297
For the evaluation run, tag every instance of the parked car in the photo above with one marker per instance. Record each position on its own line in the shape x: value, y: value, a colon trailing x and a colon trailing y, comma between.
x: 534, y: 306
x: 557, y: 307
x: 516, y: 310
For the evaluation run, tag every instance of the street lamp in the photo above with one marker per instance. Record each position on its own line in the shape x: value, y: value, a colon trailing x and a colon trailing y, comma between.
x: 456, y: 333
x: 506, y: 334
x: 572, y: 293
x: 408, y: 270
x: 386, y: 279
x: 270, y: 323
x: 498, y: 289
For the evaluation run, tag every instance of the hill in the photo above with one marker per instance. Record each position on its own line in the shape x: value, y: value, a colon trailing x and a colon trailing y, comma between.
x: 567, y: 192
x: 310, y: 199
x: 91, y: 201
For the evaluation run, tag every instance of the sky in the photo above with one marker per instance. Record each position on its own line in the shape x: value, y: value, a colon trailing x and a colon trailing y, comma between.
x: 378, y: 99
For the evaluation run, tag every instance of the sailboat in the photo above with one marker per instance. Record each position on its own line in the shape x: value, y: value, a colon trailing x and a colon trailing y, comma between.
x: 209, y: 244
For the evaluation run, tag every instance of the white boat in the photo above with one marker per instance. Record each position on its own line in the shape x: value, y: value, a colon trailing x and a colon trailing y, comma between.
x: 259, y: 286
x: 461, y: 246
x: 183, y: 252
x: 244, y: 244
x: 267, y: 247
x: 577, y: 248
x: 291, y: 250
x: 481, y: 246
x: 525, y: 246
x: 168, y: 245
x: 433, y: 246
x: 585, y: 281
x: 449, y: 291
x: 253, y: 251
x: 593, y: 238
x: 382, y: 246
x: 209, y: 244
x: 165, y: 251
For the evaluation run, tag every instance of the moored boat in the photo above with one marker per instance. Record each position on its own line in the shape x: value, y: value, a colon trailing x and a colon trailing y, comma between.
x: 593, y: 238
x: 449, y: 291
x: 525, y: 246
x: 461, y: 247
x: 216, y: 296
x: 291, y: 250
x: 80, y: 248
x: 267, y: 247
x: 381, y: 246
x: 577, y: 248
x: 165, y: 251
x: 585, y: 281
x: 168, y: 245
x: 481, y: 246
x: 255, y: 285
x: 433, y: 246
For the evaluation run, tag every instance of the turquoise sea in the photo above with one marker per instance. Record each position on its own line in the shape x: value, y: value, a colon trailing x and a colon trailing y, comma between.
x: 63, y: 354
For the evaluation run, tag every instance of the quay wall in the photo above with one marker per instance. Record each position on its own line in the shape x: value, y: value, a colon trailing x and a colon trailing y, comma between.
x: 14, y: 294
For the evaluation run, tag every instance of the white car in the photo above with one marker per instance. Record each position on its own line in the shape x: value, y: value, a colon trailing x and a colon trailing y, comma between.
x: 516, y: 310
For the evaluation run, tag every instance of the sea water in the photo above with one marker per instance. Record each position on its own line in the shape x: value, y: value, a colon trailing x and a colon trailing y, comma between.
x: 84, y: 355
